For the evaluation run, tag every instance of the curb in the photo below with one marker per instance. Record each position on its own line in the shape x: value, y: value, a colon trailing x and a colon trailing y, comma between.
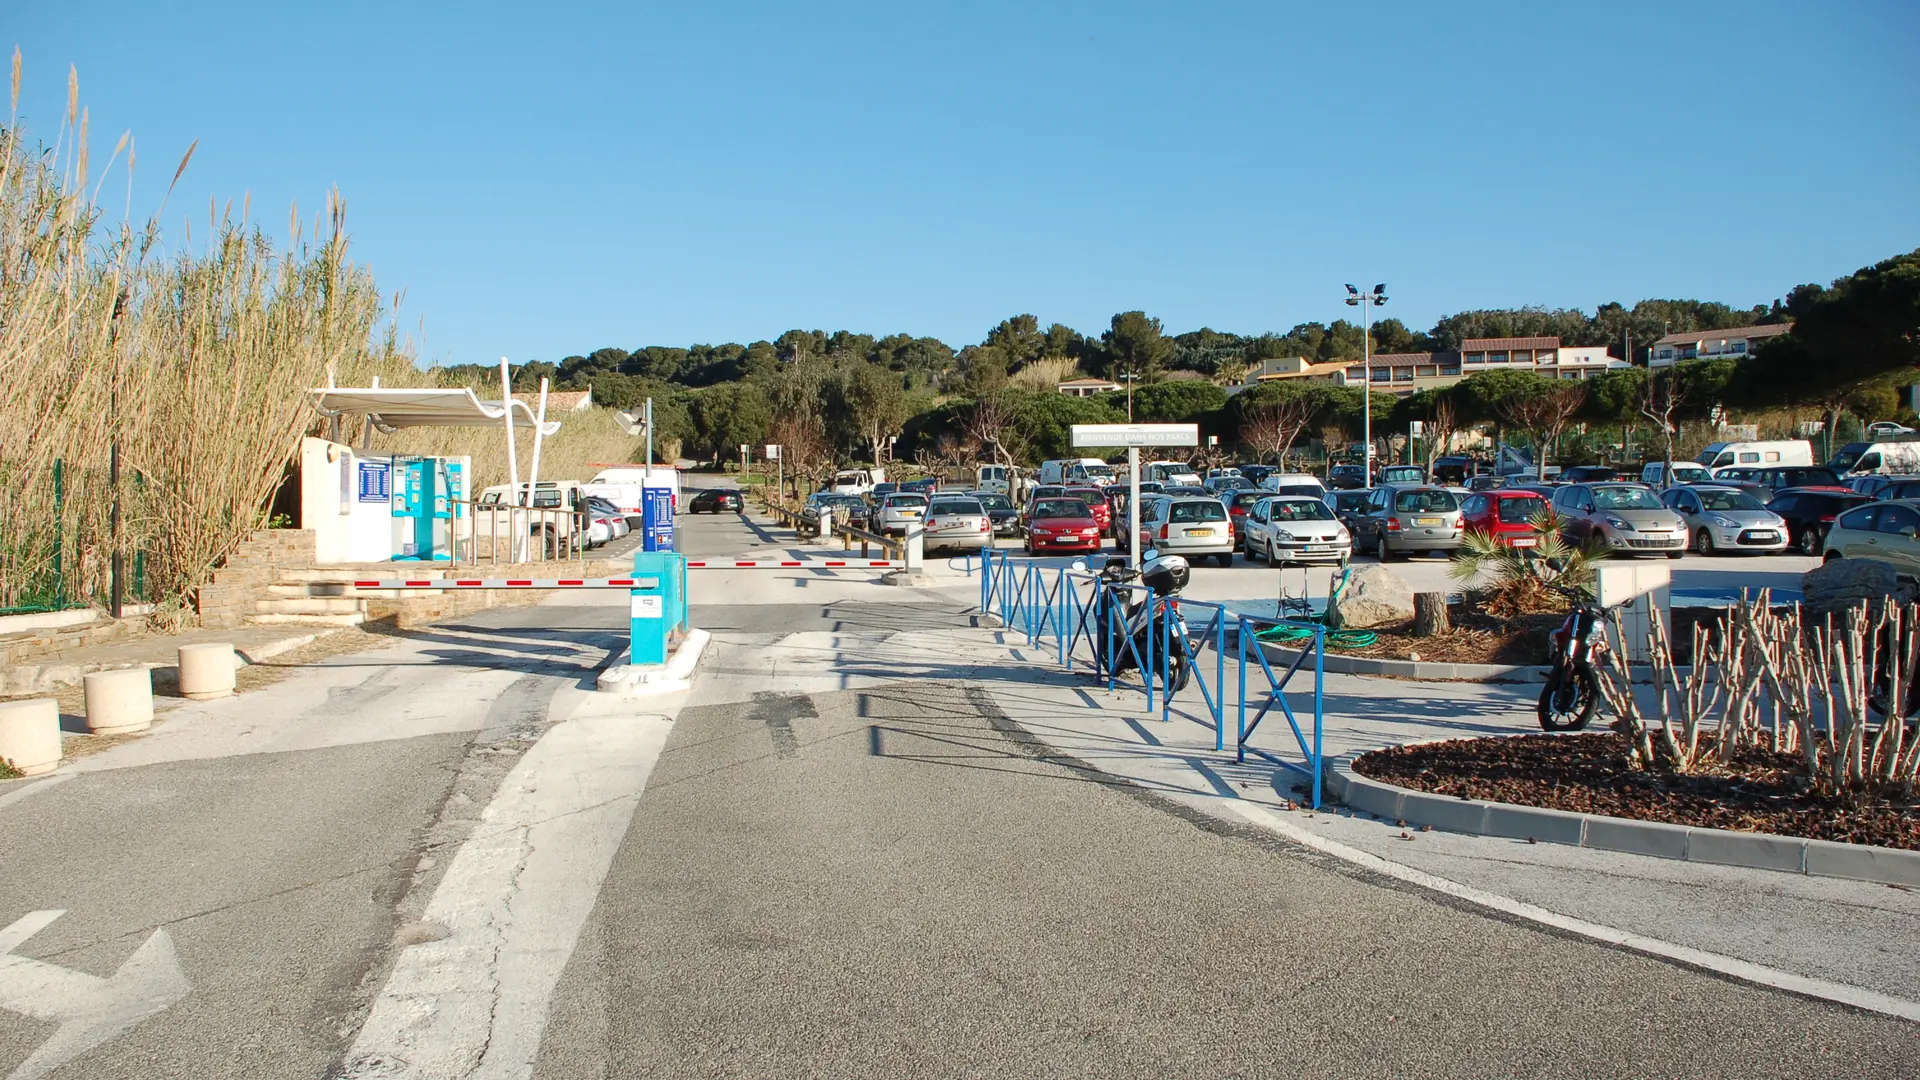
x: 647, y: 680
x: 1719, y: 847
x: 21, y: 679
x: 1417, y: 669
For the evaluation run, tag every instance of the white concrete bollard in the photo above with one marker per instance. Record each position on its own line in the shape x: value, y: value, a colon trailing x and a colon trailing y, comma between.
x: 206, y: 671
x: 826, y: 524
x: 119, y: 701
x: 916, y: 550
x: 30, y: 734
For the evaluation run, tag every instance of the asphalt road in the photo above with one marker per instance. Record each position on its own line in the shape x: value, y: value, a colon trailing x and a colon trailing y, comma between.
x: 882, y: 882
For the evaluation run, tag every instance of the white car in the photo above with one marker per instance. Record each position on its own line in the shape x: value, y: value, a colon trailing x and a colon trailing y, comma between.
x: 898, y: 511
x: 1886, y: 428
x: 1195, y: 526
x: 954, y: 522
x: 1294, y: 529
x: 1294, y: 484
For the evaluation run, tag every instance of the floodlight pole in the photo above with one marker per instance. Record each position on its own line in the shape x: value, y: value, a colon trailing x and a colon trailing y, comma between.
x: 1366, y: 302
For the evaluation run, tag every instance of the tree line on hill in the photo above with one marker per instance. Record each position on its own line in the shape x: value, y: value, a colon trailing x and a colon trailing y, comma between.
x: 837, y: 397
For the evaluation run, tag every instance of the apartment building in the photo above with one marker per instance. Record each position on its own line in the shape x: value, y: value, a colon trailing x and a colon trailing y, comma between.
x: 1700, y: 344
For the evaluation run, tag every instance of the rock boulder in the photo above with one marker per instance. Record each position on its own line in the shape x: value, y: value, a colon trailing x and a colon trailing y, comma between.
x: 1847, y: 583
x: 1374, y: 597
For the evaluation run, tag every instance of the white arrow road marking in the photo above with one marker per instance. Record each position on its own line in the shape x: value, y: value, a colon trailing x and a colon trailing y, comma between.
x: 89, y: 1009
x: 473, y: 1005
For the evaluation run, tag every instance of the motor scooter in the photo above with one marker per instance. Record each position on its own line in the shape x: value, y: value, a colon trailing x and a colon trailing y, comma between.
x: 1147, y: 602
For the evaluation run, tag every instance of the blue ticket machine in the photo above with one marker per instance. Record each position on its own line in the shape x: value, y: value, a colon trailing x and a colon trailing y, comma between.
x: 659, y: 604
x: 656, y: 512
x: 423, y: 492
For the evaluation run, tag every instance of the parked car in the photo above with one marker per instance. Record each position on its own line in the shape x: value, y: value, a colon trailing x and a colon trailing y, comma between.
x: 900, y: 510
x: 957, y: 521
x: 1238, y: 504
x: 1507, y: 516
x: 880, y: 492
x: 1403, y: 474
x: 1880, y: 530
x: 1061, y: 524
x: 1000, y: 511
x: 1193, y: 526
x: 1348, y: 505
x: 1887, y: 487
x: 1487, y: 482
x: 1886, y: 429
x: 1097, y: 501
x: 1186, y: 491
x: 600, y: 509
x: 1622, y: 517
x: 1255, y: 473
x: 716, y: 501
x: 1452, y: 469
x: 1221, y: 485
x: 1726, y: 519
x: 926, y: 485
x: 1283, y: 529
x: 1588, y: 474
x: 1810, y: 512
x: 1779, y: 478
x: 1401, y: 520
x: 1279, y: 483
x: 1035, y: 494
x: 847, y: 510
x: 1347, y: 477
x: 1654, y: 474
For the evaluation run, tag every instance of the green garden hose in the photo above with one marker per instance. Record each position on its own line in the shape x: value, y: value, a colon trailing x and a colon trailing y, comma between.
x: 1338, y: 639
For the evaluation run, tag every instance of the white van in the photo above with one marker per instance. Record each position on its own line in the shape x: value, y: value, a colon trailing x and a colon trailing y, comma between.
x: 1654, y: 473
x: 660, y: 476
x: 1756, y: 455
x: 997, y: 479
x: 1883, y: 458
x: 1076, y: 471
x: 857, y: 481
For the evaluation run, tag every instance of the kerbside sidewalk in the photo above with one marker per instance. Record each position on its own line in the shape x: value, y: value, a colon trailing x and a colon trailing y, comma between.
x: 1850, y: 933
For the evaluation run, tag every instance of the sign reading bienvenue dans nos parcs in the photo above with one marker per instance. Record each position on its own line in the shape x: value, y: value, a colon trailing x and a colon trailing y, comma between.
x: 1136, y: 434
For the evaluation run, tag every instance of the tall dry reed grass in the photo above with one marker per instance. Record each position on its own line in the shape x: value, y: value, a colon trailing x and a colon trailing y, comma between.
x: 1046, y: 373
x: 195, y: 362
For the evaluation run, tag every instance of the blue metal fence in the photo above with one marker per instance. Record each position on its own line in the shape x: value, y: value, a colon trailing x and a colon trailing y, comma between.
x: 1080, y: 617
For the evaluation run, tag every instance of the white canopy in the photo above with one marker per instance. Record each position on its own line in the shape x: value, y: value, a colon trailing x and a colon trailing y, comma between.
x: 393, y: 409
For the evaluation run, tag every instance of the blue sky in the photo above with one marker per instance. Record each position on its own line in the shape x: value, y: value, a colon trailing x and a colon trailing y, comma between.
x: 547, y: 179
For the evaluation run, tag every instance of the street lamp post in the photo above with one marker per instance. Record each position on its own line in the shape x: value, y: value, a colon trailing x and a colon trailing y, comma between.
x: 1366, y: 302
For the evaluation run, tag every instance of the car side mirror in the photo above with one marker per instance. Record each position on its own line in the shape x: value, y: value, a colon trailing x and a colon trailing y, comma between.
x: 1910, y: 532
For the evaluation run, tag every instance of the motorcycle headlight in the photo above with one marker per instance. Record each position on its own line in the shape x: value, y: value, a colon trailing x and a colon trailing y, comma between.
x: 1620, y: 523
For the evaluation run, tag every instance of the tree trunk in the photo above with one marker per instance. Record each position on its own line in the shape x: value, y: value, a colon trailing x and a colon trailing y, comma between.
x: 1430, y: 614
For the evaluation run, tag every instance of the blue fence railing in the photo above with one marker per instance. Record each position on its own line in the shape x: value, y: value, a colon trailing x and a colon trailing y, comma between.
x: 1081, y: 617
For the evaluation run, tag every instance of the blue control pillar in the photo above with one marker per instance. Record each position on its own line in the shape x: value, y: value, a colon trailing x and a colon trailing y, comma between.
x: 656, y: 509
x: 659, y: 607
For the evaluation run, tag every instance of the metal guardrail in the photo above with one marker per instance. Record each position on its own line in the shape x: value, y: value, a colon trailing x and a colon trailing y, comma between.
x: 552, y: 533
x: 1079, y: 609
x: 789, y: 516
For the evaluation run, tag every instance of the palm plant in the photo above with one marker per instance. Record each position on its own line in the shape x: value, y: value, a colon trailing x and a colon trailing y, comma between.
x: 1522, y: 580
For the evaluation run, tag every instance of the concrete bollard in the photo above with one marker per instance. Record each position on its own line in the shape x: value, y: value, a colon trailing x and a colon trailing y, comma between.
x: 119, y: 701
x: 30, y: 735
x: 206, y: 671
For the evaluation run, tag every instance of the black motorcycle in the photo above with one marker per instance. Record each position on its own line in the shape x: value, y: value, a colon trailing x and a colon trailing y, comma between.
x: 1572, y: 693
x: 1147, y: 614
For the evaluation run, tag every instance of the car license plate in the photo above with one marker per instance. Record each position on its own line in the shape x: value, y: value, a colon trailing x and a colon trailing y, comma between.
x: 909, y: 513
x: 1199, y: 532
x: 1318, y: 547
x: 1426, y: 521
x: 1523, y: 541
x: 1767, y: 535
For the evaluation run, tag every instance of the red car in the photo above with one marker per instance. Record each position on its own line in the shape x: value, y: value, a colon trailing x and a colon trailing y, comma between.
x: 1238, y: 503
x: 1506, y: 515
x: 1096, y: 501
x: 1062, y: 524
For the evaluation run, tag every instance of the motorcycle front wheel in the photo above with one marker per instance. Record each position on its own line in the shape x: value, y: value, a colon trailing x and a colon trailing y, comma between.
x: 1569, y: 699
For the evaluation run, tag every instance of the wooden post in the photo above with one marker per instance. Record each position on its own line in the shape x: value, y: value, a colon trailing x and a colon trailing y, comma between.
x: 1430, y: 614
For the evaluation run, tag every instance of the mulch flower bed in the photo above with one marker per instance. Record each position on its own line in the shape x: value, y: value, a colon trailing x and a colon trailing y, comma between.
x: 1593, y: 773
x: 1476, y: 638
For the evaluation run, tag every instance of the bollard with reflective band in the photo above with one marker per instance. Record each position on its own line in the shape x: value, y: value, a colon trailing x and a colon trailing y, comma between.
x: 658, y: 604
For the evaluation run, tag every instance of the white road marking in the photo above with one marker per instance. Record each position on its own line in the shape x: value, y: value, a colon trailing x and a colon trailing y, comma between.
x: 1700, y: 958
x: 474, y: 1003
x: 89, y: 1009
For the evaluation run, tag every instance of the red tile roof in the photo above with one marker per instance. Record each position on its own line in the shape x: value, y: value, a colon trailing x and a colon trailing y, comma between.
x: 1750, y: 333
x: 1497, y: 344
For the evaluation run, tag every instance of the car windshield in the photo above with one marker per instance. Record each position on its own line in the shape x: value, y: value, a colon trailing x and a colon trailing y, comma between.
x: 1048, y: 491
x: 896, y: 501
x: 1403, y: 472
x: 1422, y: 502
x: 1244, y: 500
x: 1520, y: 511
x: 1353, y: 500
x: 1310, y: 490
x: 945, y: 507
x: 1061, y: 508
x: 1624, y: 498
x: 1729, y: 500
x: 1197, y: 510
x: 996, y: 502
x: 603, y: 505
x: 1299, y: 510
x: 1809, y: 477
x: 844, y: 502
x: 1090, y: 496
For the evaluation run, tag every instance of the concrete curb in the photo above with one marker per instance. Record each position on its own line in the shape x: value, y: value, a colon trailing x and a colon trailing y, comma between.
x: 647, y: 680
x: 21, y: 679
x: 1416, y: 669
x: 1721, y: 847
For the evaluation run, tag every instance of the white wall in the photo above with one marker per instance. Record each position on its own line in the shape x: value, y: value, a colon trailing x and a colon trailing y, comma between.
x: 346, y: 529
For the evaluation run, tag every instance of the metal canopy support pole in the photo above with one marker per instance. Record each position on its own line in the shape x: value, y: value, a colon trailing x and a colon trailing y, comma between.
x: 513, y: 468
x: 533, y: 473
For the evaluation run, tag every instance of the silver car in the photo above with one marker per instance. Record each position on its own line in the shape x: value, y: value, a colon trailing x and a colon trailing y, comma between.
x: 958, y: 523
x: 1403, y: 519
x: 1191, y: 525
x: 1624, y: 518
x: 1284, y: 529
x: 1727, y: 519
x: 899, y: 510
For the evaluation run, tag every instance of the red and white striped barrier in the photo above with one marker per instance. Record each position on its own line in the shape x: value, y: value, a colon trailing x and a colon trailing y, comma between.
x: 788, y: 564
x: 509, y: 583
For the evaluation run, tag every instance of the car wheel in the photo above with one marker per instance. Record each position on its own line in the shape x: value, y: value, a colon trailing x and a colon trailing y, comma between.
x: 1831, y: 555
x: 1809, y: 541
x: 1386, y: 553
x: 1251, y: 557
x: 1224, y: 559
x: 1703, y: 543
